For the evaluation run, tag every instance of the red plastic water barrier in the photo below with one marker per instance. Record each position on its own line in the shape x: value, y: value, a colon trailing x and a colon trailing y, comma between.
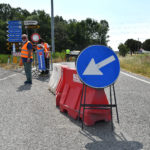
x: 68, y: 96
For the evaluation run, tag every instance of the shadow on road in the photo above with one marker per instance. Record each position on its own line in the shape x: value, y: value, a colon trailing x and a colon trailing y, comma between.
x: 103, y: 138
x: 115, y: 145
x: 44, y: 78
x: 24, y: 87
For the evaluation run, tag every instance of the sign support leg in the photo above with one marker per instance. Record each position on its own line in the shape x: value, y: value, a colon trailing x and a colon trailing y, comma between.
x: 81, y: 102
x: 99, y: 106
x: 111, y: 108
x: 84, y: 106
x: 115, y: 103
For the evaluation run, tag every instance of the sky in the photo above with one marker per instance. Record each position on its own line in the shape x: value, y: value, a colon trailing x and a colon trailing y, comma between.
x: 127, y: 18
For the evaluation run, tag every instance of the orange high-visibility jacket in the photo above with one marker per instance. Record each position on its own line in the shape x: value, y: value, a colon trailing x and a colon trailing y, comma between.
x: 25, y: 51
x: 45, y: 45
x: 45, y: 48
x: 38, y: 48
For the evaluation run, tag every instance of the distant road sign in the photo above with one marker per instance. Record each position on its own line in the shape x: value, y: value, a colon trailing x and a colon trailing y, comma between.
x: 14, y: 35
x: 30, y: 22
x: 15, y: 31
x: 15, y: 40
x: 14, y: 27
x: 16, y: 53
x: 12, y: 31
x: 98, y: 66
x: 32, y: 26
x: 35, y: 37
x: 14, y: 22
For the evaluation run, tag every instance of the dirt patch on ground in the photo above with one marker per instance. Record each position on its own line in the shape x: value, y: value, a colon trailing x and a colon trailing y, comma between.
x: 11, y: 66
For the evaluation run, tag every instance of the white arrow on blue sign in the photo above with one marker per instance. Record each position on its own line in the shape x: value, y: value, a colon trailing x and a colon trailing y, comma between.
x: 14, y: 35
x: 13, y: 31
x: 14, y: 22
x: 98, y: 66
x: 15, y: 27
x: 15, y: 40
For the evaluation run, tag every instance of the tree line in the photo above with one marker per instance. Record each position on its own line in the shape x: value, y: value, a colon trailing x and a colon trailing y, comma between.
x: 133, y: 46
x: 72, y: 34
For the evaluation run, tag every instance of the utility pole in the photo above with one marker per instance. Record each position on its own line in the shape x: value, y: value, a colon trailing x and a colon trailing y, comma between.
x: 52, y: 27
x: 138, y: 45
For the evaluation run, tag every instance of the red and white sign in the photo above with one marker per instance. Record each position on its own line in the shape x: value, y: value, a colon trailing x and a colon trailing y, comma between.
x: 35, y: 37
x: 40, y: 53
x: 16, y: 53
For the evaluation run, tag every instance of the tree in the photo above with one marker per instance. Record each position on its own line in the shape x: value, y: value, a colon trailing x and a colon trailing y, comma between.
x: 146, y: 45
x: 133, y: 45
x: 102, y: 32
x: 5, y: 12
x: 87, y: 32
x: 2, y: 36
x: 123, y: 49
x: 61, y: 37
x: 70, y: 34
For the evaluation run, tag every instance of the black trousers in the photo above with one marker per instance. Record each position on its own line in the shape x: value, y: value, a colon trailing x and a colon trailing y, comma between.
x: 67, y: 57
x: 47, y: 64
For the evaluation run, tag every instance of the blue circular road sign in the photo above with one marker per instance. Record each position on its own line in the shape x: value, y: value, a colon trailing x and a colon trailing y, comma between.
x: 98, y: 66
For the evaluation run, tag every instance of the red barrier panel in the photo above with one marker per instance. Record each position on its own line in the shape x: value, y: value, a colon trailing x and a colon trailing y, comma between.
x: 96, y: 96
x: 68, y: 98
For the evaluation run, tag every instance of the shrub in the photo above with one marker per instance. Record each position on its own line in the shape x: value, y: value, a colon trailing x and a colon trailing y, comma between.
x: 55, y: 55
x: 123, y: 50
x: 62, y: 55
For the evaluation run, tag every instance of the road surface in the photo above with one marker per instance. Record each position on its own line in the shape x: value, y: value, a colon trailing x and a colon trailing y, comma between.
x: 29, y: 119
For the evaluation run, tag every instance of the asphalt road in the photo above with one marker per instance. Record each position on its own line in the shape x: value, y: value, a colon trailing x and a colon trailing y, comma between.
x: 29, y: 119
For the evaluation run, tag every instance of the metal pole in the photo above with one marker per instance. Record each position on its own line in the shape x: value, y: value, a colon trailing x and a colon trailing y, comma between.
x: 111, y: 109
x: 52, y: 27
x: 81, y: 101
x: 115, y: 103
x: 84, y: 106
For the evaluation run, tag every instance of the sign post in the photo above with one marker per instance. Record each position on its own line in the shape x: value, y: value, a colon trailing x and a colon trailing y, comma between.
x: 98, y: 67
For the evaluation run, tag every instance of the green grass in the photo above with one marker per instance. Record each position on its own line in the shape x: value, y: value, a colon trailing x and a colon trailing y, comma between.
x: 138, y: 63
x: 57, y: 57
x: 3, y: 58
x: 60, y: 56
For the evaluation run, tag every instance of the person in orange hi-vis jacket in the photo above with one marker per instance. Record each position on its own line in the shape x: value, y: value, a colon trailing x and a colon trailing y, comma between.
x: 46, y: 48
x: 27, y: 58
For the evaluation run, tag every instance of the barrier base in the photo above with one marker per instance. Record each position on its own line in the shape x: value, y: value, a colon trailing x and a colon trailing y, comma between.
x: 91, y: 118
x: 105, y: 113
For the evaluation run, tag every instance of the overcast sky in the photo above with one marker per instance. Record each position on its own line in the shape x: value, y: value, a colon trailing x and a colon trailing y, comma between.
x: 126, y: 18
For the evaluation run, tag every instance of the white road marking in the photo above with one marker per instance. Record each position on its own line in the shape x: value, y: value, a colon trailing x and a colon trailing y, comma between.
x: 135, y: 77
x: 7, y: 77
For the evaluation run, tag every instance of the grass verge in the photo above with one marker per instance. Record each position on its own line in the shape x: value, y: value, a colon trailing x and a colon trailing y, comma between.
x: 4, y: 58
x: 138, y: 63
